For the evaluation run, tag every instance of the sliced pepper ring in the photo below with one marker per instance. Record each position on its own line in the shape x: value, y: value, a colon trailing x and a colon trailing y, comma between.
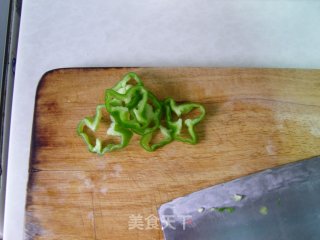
x: 119, y: 105
x: 146, y: 139
x: 152, y: 113
x: 115, y: 130
x: 132, y: 110
x: 122, y: 86
x: 123, y: 83
x: 176, y: 126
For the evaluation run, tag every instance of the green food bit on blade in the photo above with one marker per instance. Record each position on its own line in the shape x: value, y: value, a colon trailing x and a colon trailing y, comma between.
x: 223, y: 209
x: 263, y: 210
x: 200, y: 210
x: 230, y: 209
x: 237, y: 197
x: 134, y: 109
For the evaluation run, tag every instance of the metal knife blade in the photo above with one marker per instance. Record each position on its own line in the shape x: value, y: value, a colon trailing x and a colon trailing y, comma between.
x: 282, y: 203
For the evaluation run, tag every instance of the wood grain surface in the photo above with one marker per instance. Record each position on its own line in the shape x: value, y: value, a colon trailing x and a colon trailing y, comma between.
x: 256, y: 119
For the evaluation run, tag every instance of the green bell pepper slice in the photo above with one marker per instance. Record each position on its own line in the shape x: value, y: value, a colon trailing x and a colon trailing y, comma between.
x: 150, y: 115
x: 172, y: 107
x: 114, y: 130
x: 132, y: 109
x: 122, y: 86
x: 146, y: 139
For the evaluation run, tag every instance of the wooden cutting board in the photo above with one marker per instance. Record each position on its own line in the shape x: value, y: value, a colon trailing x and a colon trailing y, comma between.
x: 256, y: 119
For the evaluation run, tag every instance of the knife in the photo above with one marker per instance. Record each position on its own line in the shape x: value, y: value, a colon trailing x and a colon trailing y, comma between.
x: 282, y: 203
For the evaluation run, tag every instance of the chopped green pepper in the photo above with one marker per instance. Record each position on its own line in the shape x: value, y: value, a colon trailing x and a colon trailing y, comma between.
x: 120, y: 105
x: 122, y: 86
x: 146, y: 139
x: 114, y: 130
x: 263, y: 210
x: 222, y: 209
x: 176, y: 126
x: 152, y: 113
x: 238, y: 197
x: 134, y: 112
x: 134, y: 109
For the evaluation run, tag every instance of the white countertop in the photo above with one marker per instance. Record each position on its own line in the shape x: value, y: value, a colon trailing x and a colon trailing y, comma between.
x: 102, y: 33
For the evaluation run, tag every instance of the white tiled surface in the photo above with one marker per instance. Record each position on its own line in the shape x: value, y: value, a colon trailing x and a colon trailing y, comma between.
x: 81, y: 33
